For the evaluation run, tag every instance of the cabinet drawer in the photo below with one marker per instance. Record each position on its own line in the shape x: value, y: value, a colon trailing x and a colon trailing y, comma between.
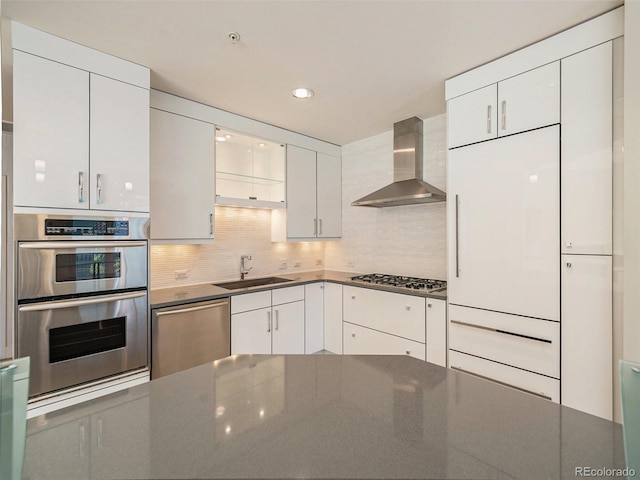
x: 361, y: 305
x: 287, y: 295
x: 521, y: 379
x: 522, y: 342
x: 364, y: 341
x: 402, y: 315
x: 250, y: 301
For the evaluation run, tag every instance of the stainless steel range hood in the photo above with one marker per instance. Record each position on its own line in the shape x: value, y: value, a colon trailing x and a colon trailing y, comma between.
x: 407, y: 188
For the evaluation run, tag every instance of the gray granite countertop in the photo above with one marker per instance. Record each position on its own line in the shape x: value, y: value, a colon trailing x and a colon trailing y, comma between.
x: 167, y: 297
x: 319, y: 416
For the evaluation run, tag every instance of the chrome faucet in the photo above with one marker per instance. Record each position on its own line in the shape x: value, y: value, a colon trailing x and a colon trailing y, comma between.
x: 243, y: 269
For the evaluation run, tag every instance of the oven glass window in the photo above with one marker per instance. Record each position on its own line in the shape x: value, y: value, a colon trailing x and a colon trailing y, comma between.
x: 84, y: 339
x: 74, y: 267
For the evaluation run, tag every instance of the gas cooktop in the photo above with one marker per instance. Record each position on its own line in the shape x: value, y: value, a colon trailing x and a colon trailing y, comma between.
x: 413, y: 283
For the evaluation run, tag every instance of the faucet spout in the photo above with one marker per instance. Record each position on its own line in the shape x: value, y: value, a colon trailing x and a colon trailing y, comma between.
x: 243, y: 268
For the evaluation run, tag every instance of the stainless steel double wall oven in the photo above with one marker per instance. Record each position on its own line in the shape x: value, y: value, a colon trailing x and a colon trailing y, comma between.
x: 82, y: 306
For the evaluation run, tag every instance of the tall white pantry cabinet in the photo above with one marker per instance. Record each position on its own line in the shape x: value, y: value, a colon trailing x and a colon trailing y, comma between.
x: 530, y: 218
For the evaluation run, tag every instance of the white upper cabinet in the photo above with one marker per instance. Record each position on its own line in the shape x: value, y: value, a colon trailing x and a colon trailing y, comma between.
x: 249, y: 170
x: 51, y: 133
x: 182, y: 178
x: 119, y: 140
x: 81, y: 139
x: 314, y: 200
x: 520, y: 103
x: 329, y: 195
x: 586, y: 173
x: 529, y: 100
x: 473, y: 117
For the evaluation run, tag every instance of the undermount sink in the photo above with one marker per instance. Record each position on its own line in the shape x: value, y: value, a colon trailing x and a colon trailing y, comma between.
x: 252, y: 282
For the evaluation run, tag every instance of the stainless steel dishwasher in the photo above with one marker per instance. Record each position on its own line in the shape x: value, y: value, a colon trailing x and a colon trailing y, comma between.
x: 188, y: 335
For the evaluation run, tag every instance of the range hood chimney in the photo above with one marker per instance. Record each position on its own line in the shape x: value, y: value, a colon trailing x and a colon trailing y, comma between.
x: 407, y: 188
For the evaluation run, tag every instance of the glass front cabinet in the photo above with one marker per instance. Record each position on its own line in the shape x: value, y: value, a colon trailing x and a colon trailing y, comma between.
x: 250, y: 171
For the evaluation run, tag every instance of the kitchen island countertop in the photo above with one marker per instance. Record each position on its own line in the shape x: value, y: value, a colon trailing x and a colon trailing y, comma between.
x: 171, y: 296
x: 320, y: 416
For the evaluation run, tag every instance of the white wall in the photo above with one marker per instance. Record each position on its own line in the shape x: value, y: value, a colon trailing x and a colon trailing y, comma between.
x: 239, y: 231
x: 406, y: 240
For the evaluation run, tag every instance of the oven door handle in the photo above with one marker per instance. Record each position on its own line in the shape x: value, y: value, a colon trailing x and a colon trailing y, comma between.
x: 80, y: 244
x: 36, y: 307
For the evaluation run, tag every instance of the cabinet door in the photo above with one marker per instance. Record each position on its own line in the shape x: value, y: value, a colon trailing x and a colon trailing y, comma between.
x: 182, y: 177
x: 302, y: 221
x: 586, y: 327
x: 333, y: 317
x: 51, y: 134
x: 288, y: 328
x: 472, y: 117
x: 329, y: 193
x: 119, y: 146
x: 364, y: 341
x: 586, y: 170
x: 437, y: 331
x: 503, y: 222
x: 314, y: 317
x: 402, y: 315
x: 529, y: 100
x: 251, y: 332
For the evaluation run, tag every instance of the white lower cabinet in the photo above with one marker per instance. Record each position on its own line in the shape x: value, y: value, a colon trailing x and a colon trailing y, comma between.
x: 587, y: 333
x: 314, y: 317
x: 365, y: 341
x: 437, y: 331
x: 333, y: 317
x: 268, y: 322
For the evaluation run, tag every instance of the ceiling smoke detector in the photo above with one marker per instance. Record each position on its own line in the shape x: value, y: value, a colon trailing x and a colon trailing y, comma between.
x: 234, y: 37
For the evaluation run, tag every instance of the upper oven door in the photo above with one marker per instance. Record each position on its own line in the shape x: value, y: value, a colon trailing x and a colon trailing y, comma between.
x: 51, y: 269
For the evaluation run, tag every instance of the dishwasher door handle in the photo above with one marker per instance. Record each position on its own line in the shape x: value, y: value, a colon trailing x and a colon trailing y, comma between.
x: 161, y: 313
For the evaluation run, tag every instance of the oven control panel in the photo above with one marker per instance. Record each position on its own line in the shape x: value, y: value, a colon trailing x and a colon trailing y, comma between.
x: 86, y: 228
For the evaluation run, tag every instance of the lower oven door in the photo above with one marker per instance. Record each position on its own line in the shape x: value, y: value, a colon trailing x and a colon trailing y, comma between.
x: 76, y: 341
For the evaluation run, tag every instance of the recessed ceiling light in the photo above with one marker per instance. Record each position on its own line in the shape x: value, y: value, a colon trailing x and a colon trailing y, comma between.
x: 220, y: 138
x: 302, y: 92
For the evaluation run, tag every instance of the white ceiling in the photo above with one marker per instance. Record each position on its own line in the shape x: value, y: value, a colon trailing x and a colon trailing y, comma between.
x: 371, y: 63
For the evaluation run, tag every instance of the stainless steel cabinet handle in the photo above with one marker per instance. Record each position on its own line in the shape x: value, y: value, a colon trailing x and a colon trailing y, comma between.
x: 315, y: 226
x: 320, y: 222
x: 224, y: 303
x: 504, y: 114
x: 65, y: 245
x: 269, y: 322
x: 37, y: 307
x: 211, y: 224
x: 488, y: 118
x: 277, y: 318
x: 457, y: 240
x: 80, y: 187
x: 99, y: 188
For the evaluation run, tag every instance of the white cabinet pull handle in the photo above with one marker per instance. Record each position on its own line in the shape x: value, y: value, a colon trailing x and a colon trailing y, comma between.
x: 211, y: 224
x: 269, y: 322
x: 504, y: 114
x: 99, y: 188
x: 80, y: 187
x: 488, y: 118
x: 277, y: 318
x: 407, y: 307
